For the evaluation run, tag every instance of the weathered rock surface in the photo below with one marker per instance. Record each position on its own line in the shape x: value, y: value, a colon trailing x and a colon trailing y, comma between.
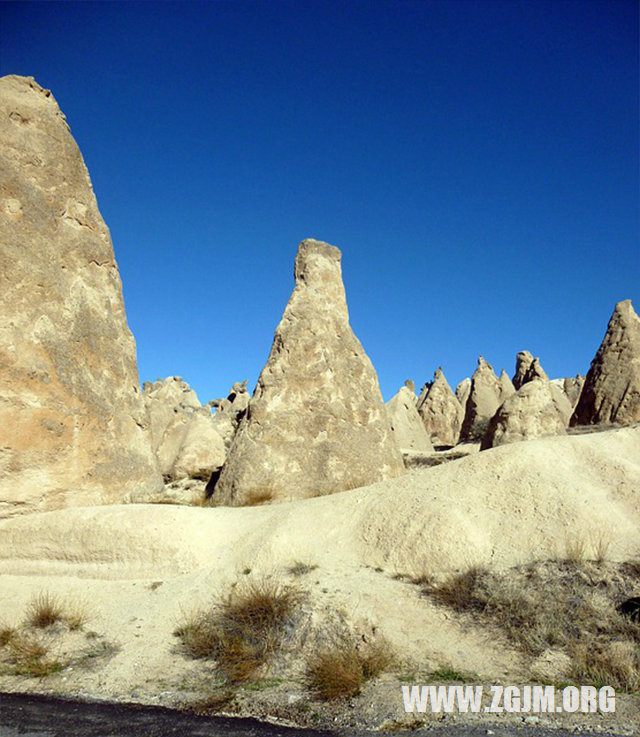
x: 462, y: 392
x: 528, y: 368
x: 482, y: 403
x: 230, y: 411
x: 182, y: 431
x: 316, y: 423
x: 441, y: 411
x: 409, y: 432
x: 73, y: 426
x: 506, y: 386
x: 572, y: 386
x: 611, y: 391
x: 534, y: 411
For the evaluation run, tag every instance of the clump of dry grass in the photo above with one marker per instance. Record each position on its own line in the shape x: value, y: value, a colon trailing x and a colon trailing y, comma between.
x: 614, y: 664
x: 6, y: 635
x: 44, y: 610
x: 552, y: 604
x: 259, y: 497
x: 299, y: 568
x: 243, y: 629
x: 339, y: 669
x: 29, y: 655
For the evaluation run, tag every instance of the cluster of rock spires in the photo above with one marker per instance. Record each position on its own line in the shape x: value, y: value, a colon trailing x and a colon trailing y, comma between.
x: 76, y: 430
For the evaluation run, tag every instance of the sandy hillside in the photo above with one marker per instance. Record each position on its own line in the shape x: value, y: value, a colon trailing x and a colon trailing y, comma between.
x: 139, y: 566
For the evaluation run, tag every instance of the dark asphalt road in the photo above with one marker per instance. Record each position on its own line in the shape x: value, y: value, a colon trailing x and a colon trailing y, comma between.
x: 40, y: 716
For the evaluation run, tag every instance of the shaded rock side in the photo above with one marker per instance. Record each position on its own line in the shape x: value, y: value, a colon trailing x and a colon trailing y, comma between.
x: 73, y: 426
x: 506, y: 386
x: 316, y: 423
x: 230, y: 411
x: 528, y: 368
x: 462, y: 392
x: 611, y: 391
x: 482, y: 403
x: 532, y: 412
x: 572, y: 387
x: 182, y: 431
x: 441, y: 412
x: 408, y: 430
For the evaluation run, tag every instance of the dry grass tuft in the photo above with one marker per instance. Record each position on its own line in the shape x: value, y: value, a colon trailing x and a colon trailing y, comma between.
x: 258, y: 497
x: 243, y: 629
x: 29, y: 655
x: 556, y: 605
x: 339, y: 669
x: 6, y: 635
x: 44, y: 610
x: 299, y: 568
x: 614, y: 664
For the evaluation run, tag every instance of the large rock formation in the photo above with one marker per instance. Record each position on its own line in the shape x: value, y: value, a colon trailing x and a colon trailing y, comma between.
x: 440, y: 411
x: 528, y: 368
x: 532, y: 412
x: 316, y: 423
x: 230, y: 411
x: 462, y: 392
x: 483, y: 401
x: 506, y: 386
x: 182, y: 431
x: 73, y: 426
x: 409, y: 432
x: 611, y: 391
x: 572, y: 387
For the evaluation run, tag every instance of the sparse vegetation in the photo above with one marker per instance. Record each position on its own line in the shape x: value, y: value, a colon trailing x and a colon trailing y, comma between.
x: 44, y: 610
x: 29, y: 655
x: 563, y: 605
x: 6, y: 635
x: 299, y: 568
x: 339, y: 669
x: 448, y: 673
x: 258, y: 497
x: 242, y: 630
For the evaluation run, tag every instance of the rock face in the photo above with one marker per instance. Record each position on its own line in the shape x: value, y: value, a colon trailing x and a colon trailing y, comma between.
x: 230, y: 411
x: 611, y: 391
x: 405, y: 422
x: 528, y: 368
x: 316, y: 423
x: 73, y: 426
x: 506, y: 386
x: 483, y: 401
x: 532, y: 412
x: 441, y: 412
x: 182, y: 431
x: 572, y: 387
x: 462, y: 392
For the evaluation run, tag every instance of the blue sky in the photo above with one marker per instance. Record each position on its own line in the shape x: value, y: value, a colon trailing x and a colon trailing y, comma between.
x: 476, y: 162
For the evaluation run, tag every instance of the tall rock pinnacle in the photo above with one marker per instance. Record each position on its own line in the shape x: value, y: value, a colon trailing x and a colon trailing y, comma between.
x: 73, y: 427
x: 316, y: 423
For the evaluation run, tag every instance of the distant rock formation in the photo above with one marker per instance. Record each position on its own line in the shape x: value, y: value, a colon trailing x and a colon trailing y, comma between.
x: 572, y: 387
x: 230, y: 411
x: 506, y: 386
x: 182, y: 431
x: 406, y: 423
x: 462, y: 392
x: 533, y: 411
x: 611, y: 391
x: 528, y: 368
x: 316, y: 423
x: 483, y: 401
x: 440, y: 411
x: 73, y: 426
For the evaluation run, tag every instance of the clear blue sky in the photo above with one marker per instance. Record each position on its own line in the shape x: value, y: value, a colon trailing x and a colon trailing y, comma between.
x: 476, y: 162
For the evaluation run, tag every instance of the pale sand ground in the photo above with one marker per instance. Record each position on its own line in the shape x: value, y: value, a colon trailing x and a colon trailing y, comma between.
x: 501, y: 507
